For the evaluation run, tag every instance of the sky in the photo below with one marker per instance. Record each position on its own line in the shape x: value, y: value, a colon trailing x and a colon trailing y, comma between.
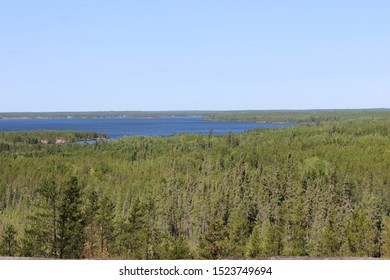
x: 193, y: 55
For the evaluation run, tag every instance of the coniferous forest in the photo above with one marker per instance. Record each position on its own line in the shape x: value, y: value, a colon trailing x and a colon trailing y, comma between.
x: 321, y: 188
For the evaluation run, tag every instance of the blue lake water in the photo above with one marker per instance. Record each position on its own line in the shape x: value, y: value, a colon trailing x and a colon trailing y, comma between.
x: 116, y: 127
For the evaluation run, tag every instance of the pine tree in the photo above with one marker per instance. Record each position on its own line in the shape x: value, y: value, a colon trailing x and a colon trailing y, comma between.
x: 105, y: 222
x: 134, y: 236
x: 35, y: 242
x: 91, y: 242
x: 294, y: 235
x: 314, y: 243
x: 9, y: 245
x: 71, y: 222
x: 386, y: 238
x: 253, y: 246
x: 374, y: 213
x: 41, y: 233
x: 361, y: 234
x: 270, y: 239
x: 175, y: 248
x: 51, y: 194
x: 238, y: 232
x: 213, y: 242
x: 210, y: 138
x: 330, y: 243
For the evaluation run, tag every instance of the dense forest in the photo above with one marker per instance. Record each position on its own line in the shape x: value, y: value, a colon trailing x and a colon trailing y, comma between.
x: 318, y: 189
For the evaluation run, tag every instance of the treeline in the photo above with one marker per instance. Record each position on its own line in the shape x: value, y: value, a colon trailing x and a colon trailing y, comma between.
x: 301, y: 116
x: 10, y: 138
x: 104, y: 114
x: 311, y: 190
x: 297, y: 116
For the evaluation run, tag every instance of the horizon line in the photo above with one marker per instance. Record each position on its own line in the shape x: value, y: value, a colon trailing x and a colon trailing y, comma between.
x: 197, y: 110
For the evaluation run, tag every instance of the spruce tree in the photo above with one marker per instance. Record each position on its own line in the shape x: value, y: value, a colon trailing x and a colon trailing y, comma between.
x: 253, y: 246
x: 134, y: 235
x: 213, y: 244
x: 71, y: 222
x: 41, y: 232
x: 270, y: 239
x: 361, y: 234
x: 91, y: 242
x: 330, y: 242
x: 106, y: 227
x: 9, y: 244
x: 50, y: 192
x: 386, y: 238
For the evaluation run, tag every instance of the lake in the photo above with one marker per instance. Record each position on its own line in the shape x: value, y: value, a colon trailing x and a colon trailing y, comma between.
x: 118, y: 127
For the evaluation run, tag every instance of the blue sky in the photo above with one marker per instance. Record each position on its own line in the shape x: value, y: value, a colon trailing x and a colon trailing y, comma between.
x: 193, y: 55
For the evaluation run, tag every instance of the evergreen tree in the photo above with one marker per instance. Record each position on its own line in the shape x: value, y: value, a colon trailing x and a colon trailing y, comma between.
x: 51, y: 195
x: 134, y: 236
x: 174, y: 248
x: 386, y: 238
x: 41, y: 233
x: 9, y: 244
x: 330, y: 242
x: 106, y: 227
x: 374, y: 215
x: 270, y: 243
x: 213, y: 242
x: 71, y: 222
x: 361, y: 234
x: 35, y: 242
x: 294, y: 235
x: 238, y: 233
x: 253, y: 247
x: 91, y: 242
x: 210, y: 138
x: 180, y: 249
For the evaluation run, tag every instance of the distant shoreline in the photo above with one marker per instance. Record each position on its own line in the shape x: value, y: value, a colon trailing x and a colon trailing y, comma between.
x: 258, y: 116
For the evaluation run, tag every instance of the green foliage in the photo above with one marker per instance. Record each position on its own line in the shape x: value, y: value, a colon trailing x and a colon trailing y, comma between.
x: 9, y: 245
x: 46, y: 137
x: 270, y: 239
x: 313, y: 116
x: 71, y: 222
x: 360, y: 234
x: 213, y: 244
x: 386, y: 238
x: 41, y: 232
x: 135, y: 238
x: 318, y: 189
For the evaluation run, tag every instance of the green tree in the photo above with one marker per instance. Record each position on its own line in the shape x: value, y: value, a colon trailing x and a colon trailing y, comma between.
x: 386, y: 238
x: 213, y: 242
x: 50, y: 192
x: 238, y: 233
x: 361, y: 234
x: 253, y: 249
x: 270, y: 239
x: 71, y: 222
x: 9, y: 244
x: 134, y: 236
x: 106, y: 227
x: 174, y: 248
x: 330, y: 242
x: 91, y: 242
x: 41, y: 233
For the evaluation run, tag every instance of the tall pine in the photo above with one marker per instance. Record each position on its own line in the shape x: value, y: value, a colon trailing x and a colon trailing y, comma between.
x: 71, y: 222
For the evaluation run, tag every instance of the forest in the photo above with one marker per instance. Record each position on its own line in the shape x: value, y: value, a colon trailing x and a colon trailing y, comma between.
x: 320, y: 189
x: 247, y: 115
